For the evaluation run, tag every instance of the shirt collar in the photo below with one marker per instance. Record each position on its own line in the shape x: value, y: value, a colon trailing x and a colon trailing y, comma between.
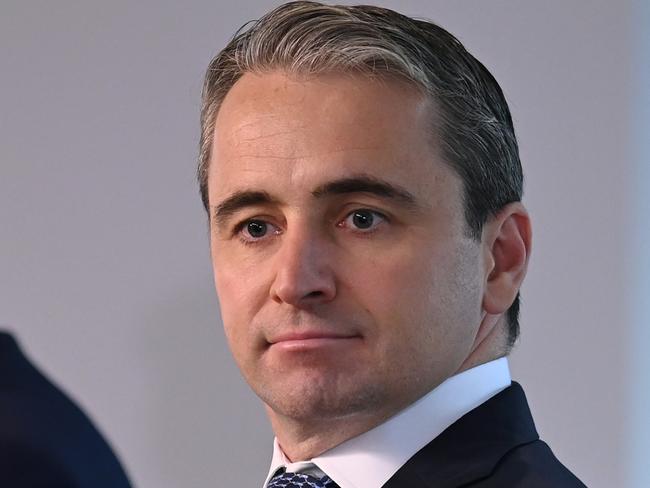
x: 370, y: 459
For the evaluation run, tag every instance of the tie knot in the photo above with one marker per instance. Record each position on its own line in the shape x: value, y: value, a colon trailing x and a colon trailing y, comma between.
x: 300, y: 480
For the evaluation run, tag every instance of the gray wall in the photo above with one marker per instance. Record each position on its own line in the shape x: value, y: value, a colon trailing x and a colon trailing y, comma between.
x: 104, y: 265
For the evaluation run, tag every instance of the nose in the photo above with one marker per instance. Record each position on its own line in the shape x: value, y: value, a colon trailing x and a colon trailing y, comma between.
x: 303, y: 271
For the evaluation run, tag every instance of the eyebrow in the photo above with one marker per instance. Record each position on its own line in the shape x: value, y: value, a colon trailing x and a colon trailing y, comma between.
x: 239, y: 200
x: 367, y: 184
x: 356, y: 184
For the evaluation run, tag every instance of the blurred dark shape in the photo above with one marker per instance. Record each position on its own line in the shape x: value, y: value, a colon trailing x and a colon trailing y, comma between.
x: 46, y: 441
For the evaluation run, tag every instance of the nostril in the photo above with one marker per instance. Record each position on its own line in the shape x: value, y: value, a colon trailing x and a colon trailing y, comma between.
x: 314, y: 294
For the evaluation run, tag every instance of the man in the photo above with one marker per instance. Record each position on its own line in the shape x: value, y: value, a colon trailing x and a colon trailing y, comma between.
x: 46, y: 441
x: 363, y: 184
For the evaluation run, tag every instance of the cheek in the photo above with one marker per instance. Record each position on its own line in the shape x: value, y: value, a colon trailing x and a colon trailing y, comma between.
x: 395, y: 290
x: 400, y: 278
x: 236, y: 279
x: 422, y: 300
x: 237, y: 294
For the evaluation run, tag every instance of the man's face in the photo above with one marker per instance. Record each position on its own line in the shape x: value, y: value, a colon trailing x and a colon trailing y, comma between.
x: 346, y: 280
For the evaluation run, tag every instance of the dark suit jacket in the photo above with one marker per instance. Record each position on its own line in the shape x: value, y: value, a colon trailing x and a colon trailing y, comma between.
x: 493, y: 446
x: 46, y: 441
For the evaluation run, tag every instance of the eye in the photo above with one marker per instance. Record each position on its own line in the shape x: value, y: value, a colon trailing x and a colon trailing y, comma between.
x: 255, y: 229
x: 363, y: 220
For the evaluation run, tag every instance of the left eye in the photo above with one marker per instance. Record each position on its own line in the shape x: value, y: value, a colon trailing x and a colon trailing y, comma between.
x: 363, y: 220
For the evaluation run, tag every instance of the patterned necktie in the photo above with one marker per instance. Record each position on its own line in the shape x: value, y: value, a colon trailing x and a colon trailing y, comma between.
x: 299, y: 480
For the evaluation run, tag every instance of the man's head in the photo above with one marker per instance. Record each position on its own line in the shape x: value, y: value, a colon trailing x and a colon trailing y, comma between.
x: 473, y: 123
x: 362, y: 176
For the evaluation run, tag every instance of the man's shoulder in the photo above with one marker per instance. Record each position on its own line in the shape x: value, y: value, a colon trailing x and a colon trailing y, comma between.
x: 494, y: 445
x: 531, y: 465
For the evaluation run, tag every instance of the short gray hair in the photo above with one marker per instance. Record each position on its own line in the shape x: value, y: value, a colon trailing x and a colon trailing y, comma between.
x: 474, y: 125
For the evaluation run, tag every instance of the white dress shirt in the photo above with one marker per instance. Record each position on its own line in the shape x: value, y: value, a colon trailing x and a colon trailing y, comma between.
x: 370, y: 459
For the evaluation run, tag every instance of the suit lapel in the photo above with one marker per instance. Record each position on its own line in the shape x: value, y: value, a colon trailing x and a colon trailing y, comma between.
x: 471, y: 447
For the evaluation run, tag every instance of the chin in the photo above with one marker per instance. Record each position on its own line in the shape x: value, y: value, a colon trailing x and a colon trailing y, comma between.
x: 321, y: 400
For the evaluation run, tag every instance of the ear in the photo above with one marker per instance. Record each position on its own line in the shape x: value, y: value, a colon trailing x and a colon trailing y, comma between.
x: 506, y: 240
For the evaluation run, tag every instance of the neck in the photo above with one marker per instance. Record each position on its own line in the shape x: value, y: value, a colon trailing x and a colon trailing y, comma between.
x: 302, y: 440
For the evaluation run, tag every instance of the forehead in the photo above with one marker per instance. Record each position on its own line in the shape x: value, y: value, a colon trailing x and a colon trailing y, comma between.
x: 330, y: 104
x: 285, y: 129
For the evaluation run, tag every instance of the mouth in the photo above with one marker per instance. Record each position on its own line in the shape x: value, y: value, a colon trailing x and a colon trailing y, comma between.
x: 306, y: 340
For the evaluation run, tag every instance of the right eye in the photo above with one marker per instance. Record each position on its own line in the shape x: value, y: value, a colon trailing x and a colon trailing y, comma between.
x: 253, y: 230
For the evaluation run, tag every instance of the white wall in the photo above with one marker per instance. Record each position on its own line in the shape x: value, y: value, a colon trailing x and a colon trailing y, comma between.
x: 637, y: 257
x: 104, y: 260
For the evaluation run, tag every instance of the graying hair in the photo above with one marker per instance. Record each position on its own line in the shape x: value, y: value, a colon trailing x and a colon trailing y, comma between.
x: 473, y: 127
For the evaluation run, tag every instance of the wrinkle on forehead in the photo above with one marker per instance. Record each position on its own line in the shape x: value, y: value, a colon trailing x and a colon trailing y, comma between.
x: 311, y: 155
x: 257, y: 126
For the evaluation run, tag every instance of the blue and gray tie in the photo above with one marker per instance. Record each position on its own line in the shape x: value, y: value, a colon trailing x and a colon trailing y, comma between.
x: 299, y: 480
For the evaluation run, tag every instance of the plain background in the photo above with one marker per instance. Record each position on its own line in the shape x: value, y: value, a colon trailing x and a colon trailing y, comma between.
x: 104, y: 266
